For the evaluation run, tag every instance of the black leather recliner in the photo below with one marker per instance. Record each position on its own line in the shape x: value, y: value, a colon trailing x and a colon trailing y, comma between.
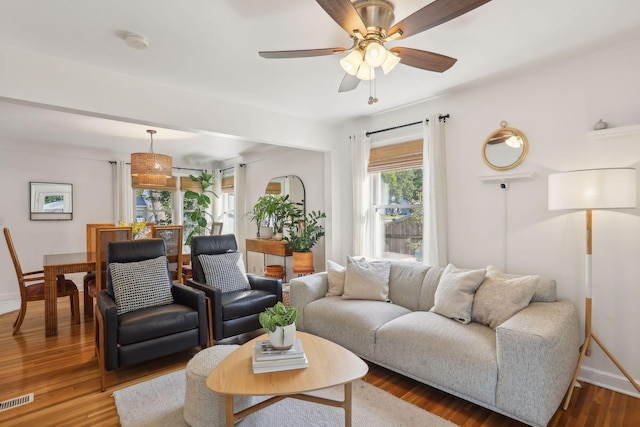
x: 232, y: 313
x: 152, y: 332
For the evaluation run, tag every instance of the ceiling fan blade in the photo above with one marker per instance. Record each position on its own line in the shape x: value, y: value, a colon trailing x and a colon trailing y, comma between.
x: 345, y: 15
x: 425, y: 60
x: 300, y: 53
x: 349, y: 82
x: 434, y: 14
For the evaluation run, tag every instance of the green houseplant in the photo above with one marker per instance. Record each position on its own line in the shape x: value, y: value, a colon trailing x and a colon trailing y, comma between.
x: 304, y: 233
x: 272, y: 211
x: 280, y: 323
x: 201, y: 203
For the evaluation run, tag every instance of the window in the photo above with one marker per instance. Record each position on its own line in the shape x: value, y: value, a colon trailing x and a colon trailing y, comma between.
x: 228, y: 199
x: 154, y: 205
x: 398, y: 214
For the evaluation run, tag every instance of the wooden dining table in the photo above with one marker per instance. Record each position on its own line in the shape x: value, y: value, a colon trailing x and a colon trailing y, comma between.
x: 55, y: 265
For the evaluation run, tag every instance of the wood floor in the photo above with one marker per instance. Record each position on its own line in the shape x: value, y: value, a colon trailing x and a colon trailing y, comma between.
x: 63, y: 374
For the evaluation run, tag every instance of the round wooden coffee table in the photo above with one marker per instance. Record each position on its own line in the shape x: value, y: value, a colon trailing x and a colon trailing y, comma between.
x: 329, y: 365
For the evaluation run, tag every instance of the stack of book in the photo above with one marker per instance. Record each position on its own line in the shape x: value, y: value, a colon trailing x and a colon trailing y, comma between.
x: 268, y: 359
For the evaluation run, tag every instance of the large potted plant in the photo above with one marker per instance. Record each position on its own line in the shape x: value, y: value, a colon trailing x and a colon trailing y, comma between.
x: 280, y: 323
x: 304, y: 233
x: 200, y: 202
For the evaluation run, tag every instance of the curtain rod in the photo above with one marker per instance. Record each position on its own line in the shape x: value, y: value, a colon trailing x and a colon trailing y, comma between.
x: 113, y: 162
x: 441, y: 117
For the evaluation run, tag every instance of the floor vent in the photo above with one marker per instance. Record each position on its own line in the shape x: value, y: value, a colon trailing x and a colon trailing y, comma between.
x: 16, y: 401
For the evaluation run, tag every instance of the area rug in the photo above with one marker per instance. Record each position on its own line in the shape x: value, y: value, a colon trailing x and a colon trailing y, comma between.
x: 158, y: 403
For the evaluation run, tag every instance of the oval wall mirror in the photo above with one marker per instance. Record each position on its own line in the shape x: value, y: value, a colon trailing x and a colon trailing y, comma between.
x: 505, y: 148
x: 291, y: 185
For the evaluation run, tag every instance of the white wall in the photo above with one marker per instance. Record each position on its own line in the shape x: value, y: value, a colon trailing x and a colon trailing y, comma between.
x: 555, y: 104
x: 309, y: 167
x: 92, y: 203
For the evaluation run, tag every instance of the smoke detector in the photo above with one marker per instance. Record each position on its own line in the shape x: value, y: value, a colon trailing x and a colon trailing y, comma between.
x: 136, y: 41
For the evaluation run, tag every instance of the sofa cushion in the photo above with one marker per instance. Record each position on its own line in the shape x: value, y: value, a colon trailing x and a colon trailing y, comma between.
x: 441, y: 352
x: 405, y: 283
x: 349, y: 323
x: 366, y: 280
x: 500, y: 297
x: 454, y: 295
x: 335, y: 278
x: 141, y: 284
x: 225, y: 271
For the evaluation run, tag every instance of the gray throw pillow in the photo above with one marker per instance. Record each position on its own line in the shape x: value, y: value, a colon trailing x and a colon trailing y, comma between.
x: 225, y: 271
x: 366, y: 280
x: 501, y: 296
x: 141, y: 284
x: 454, y: 294
x: 335, y: 279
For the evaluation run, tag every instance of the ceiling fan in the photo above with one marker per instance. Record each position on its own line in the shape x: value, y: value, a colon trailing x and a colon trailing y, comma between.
x: 369, y: 23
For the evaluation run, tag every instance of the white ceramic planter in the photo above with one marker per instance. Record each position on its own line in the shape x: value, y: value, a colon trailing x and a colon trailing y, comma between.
x: 283, y: 337
x: 266, y: 233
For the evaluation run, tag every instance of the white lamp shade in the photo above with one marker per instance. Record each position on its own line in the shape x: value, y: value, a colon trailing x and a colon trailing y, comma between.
x: 375, y: 54
x: 390, y: 62
x: 593, y: 189
x: 351, y: 62
x: 365, y: 72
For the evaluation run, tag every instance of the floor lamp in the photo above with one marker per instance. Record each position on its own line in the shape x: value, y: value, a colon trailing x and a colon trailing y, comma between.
x: 587, y: 190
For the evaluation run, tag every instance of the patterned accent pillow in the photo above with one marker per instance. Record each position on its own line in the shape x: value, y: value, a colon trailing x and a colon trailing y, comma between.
x: 225, y: 271
x: 140, y: 284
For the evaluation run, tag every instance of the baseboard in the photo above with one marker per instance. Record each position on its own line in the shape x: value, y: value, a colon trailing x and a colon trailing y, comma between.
x: 608, y: 380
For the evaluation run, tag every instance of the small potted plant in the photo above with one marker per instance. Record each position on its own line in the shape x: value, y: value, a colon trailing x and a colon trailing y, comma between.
x: 304, y: 233
x: 280, y: 323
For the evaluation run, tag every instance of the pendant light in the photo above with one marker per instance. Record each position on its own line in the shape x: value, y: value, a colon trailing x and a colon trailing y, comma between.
x: 151, y: 169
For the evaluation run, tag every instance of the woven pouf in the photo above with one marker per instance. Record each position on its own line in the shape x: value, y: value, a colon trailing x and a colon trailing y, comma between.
x: 203, y: 407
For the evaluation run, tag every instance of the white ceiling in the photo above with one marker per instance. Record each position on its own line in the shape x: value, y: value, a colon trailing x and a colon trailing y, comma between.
x: 212, y: 47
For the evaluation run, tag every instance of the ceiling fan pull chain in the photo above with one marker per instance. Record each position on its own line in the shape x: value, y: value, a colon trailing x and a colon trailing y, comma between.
x: 372, y: 99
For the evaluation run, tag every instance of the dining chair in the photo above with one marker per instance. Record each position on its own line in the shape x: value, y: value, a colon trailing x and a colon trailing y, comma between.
x: 89, y: 279
x: 35, y: 291
x: 172, y: 236
x: 104, y: 235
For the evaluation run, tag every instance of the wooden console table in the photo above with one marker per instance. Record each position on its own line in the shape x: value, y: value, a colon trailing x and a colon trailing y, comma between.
x: 270, y: 247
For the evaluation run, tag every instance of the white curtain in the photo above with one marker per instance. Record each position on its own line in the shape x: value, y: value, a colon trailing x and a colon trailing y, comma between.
x: 218, y: 211
x: 434, y: 192
x: 239, y: 184
x: 122, y: 193
x: 360, y: 147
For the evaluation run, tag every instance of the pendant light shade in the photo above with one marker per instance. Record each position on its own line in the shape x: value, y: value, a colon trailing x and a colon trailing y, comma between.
x: 151, y: 169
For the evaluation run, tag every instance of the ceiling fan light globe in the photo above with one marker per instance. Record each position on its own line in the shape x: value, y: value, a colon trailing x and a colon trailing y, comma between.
x: 365, y: 72
x: 375, y: 54
x: 390, y: 62
x: 351, y: 62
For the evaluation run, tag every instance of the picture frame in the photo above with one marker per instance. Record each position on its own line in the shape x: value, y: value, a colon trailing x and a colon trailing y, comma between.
x: 50, y: 201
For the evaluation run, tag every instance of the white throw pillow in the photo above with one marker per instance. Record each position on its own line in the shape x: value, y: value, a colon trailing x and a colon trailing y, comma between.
x: 454, y: 294
x: 225, y: 271
x: 500, y: 297
x: 141, y: 284
x: 366, y: 280
x: 335, y: 278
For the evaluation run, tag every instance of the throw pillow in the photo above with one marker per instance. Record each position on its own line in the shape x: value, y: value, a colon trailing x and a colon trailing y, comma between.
x: 454, y: 294
x: 366, y: 280
x: 225, y: 271
x: 501, y: 296
x: 335, y: 278
x: 141, y: 284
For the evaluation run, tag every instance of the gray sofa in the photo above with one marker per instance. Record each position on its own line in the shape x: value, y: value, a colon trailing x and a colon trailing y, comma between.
x: 521, y: 369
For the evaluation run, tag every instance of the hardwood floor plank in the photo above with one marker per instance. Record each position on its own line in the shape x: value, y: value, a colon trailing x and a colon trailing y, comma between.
x: 62, y: 372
